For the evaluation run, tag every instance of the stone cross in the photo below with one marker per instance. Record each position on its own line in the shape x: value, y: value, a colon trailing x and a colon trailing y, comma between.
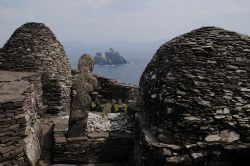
x: 83, y: 84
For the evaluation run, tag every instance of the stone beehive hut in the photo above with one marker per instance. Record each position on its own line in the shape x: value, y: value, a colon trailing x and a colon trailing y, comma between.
x: 197, y: 88
x: 34, y: 47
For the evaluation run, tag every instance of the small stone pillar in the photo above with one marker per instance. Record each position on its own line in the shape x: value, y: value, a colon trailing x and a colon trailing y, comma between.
x: 83, y: 84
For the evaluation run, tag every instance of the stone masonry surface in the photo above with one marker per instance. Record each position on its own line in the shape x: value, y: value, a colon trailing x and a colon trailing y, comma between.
x: 196, y: 94
x: 20, y: 103
x: 113, y: 89
x: 99, y: 144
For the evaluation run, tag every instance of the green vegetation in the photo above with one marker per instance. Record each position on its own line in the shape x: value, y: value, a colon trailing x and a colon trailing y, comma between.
x: 93, y: 105
x: 119, y: 107
x: 109, y: 106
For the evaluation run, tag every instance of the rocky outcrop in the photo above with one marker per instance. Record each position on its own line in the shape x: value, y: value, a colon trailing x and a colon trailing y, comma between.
x: 20, y: 132
x: 110, y: 57
x: 196, y: 95
x: 83, y: 84
x: 33, y: 47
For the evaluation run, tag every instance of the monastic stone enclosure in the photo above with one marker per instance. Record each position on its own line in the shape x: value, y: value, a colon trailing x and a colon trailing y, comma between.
x: 196, y: 96
x: 33, y: 47
x: 20, y: 132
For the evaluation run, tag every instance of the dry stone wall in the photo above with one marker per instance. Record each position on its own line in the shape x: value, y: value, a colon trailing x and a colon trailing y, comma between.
x: 113, y: 89
x: 95, y: 147
x: 33, y: 47
x: 20, y: 104
x: 148, y: 151
x: 99, y: 148
x: 196, y: 93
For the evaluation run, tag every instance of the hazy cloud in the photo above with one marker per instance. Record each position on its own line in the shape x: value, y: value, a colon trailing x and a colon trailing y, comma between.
x: 123, y: 20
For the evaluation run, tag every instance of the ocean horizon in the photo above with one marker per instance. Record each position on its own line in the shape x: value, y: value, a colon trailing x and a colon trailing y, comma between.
x: 137, y: 54
x: 129, y: 73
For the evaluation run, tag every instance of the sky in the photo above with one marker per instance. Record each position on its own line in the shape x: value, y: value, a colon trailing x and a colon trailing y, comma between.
x: 123, y: 20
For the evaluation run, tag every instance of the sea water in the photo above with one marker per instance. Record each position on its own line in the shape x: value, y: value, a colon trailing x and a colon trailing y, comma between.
x: 128, y: 73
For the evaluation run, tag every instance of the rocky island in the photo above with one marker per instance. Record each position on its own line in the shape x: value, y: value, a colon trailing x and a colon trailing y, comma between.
x: 110, y: 57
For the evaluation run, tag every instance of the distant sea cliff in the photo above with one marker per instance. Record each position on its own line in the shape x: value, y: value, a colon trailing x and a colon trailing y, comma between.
x: 110, y: 57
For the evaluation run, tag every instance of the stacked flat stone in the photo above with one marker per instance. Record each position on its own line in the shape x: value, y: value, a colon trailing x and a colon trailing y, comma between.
x: 20, y: 102
x: 113, y: 89
x: 99, y: 145
x: 196, y: 93
x: 33, y: 47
